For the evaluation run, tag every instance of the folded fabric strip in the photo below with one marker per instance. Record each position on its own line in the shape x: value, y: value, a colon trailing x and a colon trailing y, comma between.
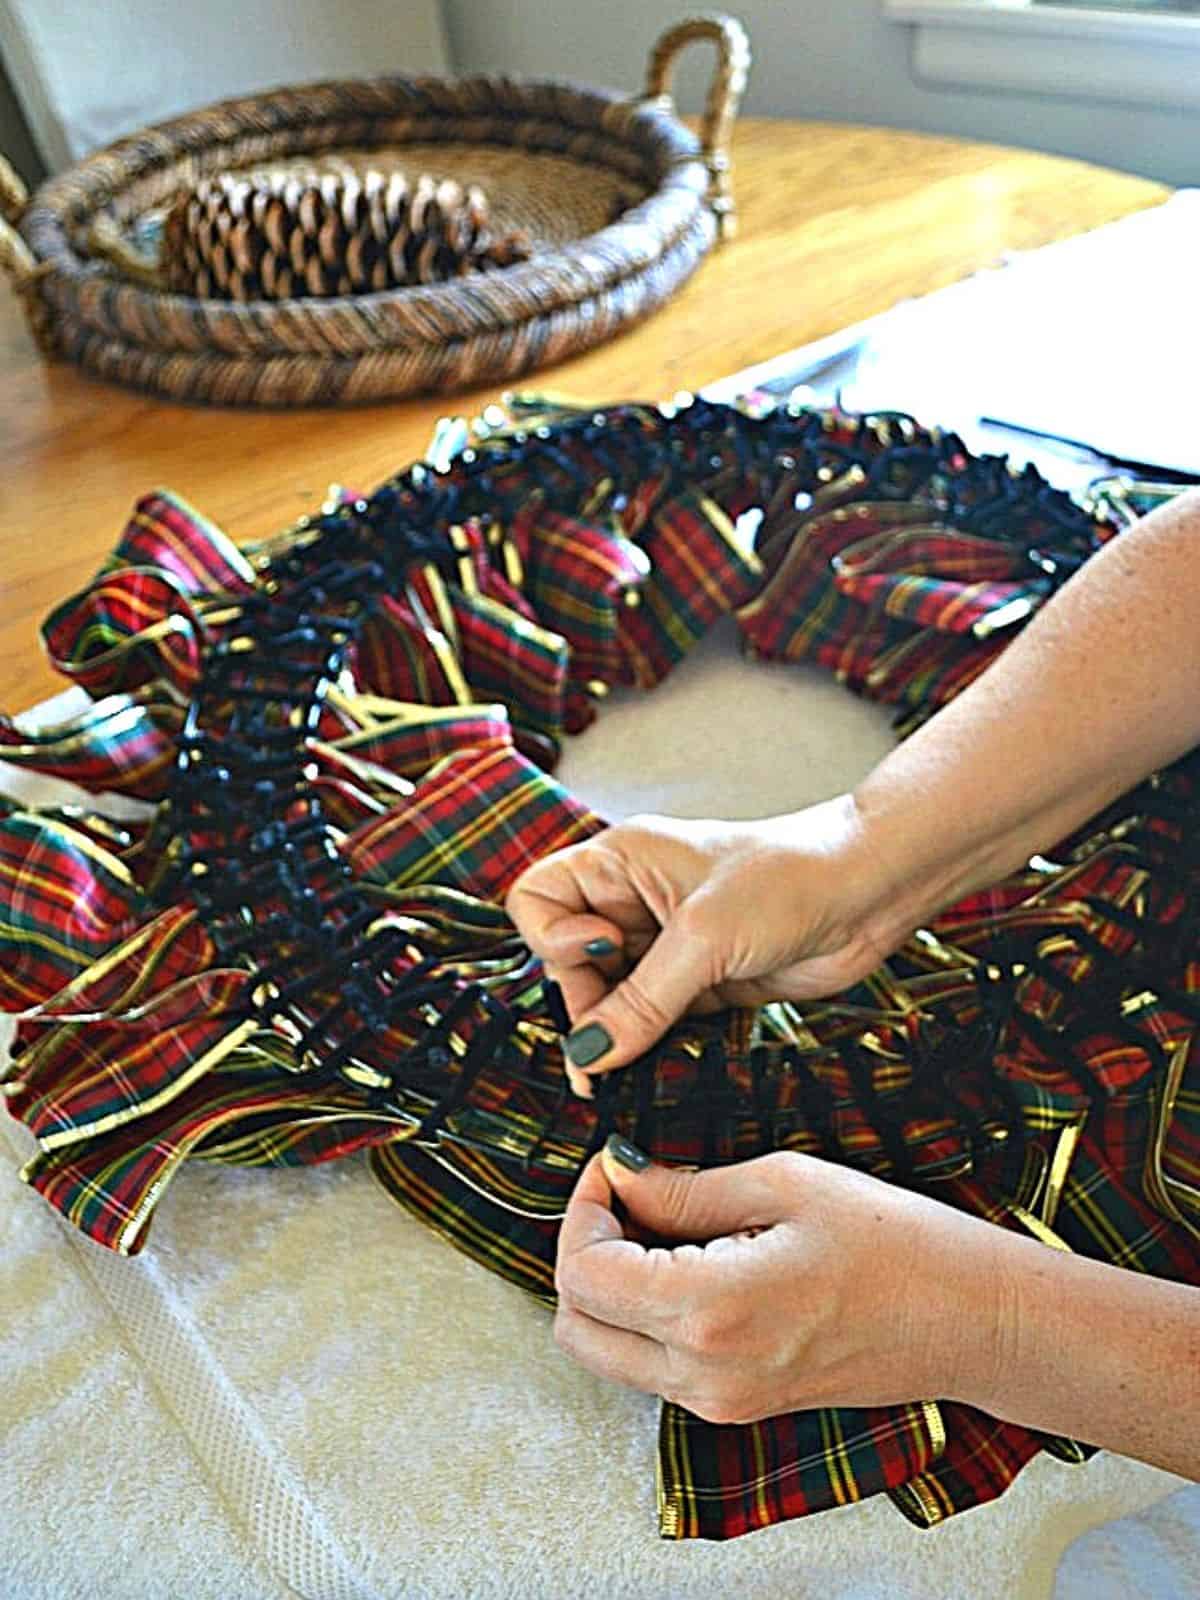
x: 124, y: 744
x: 65, y: 901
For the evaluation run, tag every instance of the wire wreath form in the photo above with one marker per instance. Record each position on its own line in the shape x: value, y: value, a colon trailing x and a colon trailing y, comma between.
x: 308, y: 954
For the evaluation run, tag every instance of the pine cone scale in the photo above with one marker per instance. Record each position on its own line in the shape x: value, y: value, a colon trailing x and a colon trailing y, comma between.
x: 275, y: 235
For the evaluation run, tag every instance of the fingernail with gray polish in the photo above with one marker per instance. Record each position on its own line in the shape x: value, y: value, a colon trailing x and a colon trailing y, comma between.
x: 587, y: 1044
x: 599, y: 947
x: 625, y: 1154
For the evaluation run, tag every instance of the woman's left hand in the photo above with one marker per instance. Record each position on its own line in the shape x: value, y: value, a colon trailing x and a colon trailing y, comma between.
x: 781, y: 1284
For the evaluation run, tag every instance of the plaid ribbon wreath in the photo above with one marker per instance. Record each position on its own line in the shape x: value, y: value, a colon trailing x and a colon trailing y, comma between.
x: 347, y: 734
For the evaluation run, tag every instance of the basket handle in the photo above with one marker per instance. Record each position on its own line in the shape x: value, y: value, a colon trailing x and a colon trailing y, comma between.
x: 17, y: 259
x: 724, y: 96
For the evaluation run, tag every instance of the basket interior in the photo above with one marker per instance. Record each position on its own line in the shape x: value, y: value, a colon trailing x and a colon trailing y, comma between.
x: 552, y: 198
x: 556, y: 183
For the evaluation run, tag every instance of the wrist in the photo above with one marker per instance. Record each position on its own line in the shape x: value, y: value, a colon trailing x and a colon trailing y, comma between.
x: 1093, y: 1352
x: 861, y: 877
x: 967, y: 1318
x: 894, y: 870
x: 921, y: 856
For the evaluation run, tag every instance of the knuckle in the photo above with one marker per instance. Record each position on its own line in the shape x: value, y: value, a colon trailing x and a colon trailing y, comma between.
x: 785, y: 1167
x: 527, y: 879
x: 642, y: 1007
x: 514, y: 900
x: 710, y: 1332
x: 693, y: 922
x: 710, y: 950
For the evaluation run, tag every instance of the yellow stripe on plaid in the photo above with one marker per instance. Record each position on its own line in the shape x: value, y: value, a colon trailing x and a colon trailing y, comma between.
x: 220, y: 541
x: 678, y: 1515
x: 443, y: 852
x: 142, y: 1108
x: 837, y: 1458
x: 165, y: 929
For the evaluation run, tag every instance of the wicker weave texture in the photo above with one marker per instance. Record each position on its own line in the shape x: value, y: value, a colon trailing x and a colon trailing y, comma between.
x: 619, y: 200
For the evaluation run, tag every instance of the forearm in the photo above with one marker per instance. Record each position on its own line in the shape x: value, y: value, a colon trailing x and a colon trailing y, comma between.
x: 1102, y: 688
x: 1093, y: 1352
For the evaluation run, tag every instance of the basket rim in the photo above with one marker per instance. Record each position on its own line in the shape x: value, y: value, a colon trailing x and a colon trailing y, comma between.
x: 422, y: 314
x: 328, y: 378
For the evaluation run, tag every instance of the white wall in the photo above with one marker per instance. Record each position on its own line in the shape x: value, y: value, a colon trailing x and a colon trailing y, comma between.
x: 86, y: 71
x: 835, y: 59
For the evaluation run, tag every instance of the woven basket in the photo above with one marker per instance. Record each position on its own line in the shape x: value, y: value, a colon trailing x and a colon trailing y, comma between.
x: 620, y: 200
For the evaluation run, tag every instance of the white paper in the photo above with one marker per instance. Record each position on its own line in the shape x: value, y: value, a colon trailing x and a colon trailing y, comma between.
x: 1095, y: 339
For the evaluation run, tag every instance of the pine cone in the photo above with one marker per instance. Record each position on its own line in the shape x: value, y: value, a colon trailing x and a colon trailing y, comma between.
x: 278, y: 235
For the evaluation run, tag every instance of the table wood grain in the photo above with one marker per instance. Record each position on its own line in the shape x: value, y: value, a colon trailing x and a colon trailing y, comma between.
x: 836, y: 223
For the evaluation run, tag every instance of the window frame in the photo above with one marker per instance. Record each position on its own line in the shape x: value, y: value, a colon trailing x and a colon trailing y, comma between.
x: 1127, y: 57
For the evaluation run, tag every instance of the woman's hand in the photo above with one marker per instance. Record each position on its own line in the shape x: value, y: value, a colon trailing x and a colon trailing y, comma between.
x: 788, y: 1283
x: 1098, y: 691
x: 659, y: 916
x: 811, y: 1285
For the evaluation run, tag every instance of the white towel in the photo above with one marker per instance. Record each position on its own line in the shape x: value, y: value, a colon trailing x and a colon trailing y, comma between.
x: 298, y: 1390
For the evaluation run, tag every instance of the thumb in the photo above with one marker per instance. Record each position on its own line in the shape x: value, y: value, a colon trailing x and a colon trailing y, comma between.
x: 684, y: 1203
x: 636, y: 1012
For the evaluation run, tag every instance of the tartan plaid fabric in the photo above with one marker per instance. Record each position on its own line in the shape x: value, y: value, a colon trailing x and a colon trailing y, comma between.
x: 900, y: 607
x: 503, y: 654
x: 64, y: 902
x: 924, y: 576
x: 165, y: 532
x: 404, y: 654
x: 125, y: 744
x: 110, y: 1191
x: 475, y: 823
x: 723, y: 1481
x: 140, y: 618
x: 577, y: 574
x: 162, y: 950
x: 86, y: 1079
x: 484, y: 565
x: 1173, y: 1179
x: 127, y: 628
x: 409, y: 739
x: 1030, y: 1057
x: 117, y: 837
x: 699, y: 570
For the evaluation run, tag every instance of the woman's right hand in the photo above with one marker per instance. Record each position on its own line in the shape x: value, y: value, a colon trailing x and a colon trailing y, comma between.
x: 659, y: 916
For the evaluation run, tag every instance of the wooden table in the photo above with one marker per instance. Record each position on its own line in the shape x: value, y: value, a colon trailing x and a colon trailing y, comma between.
x: 837, y: 223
